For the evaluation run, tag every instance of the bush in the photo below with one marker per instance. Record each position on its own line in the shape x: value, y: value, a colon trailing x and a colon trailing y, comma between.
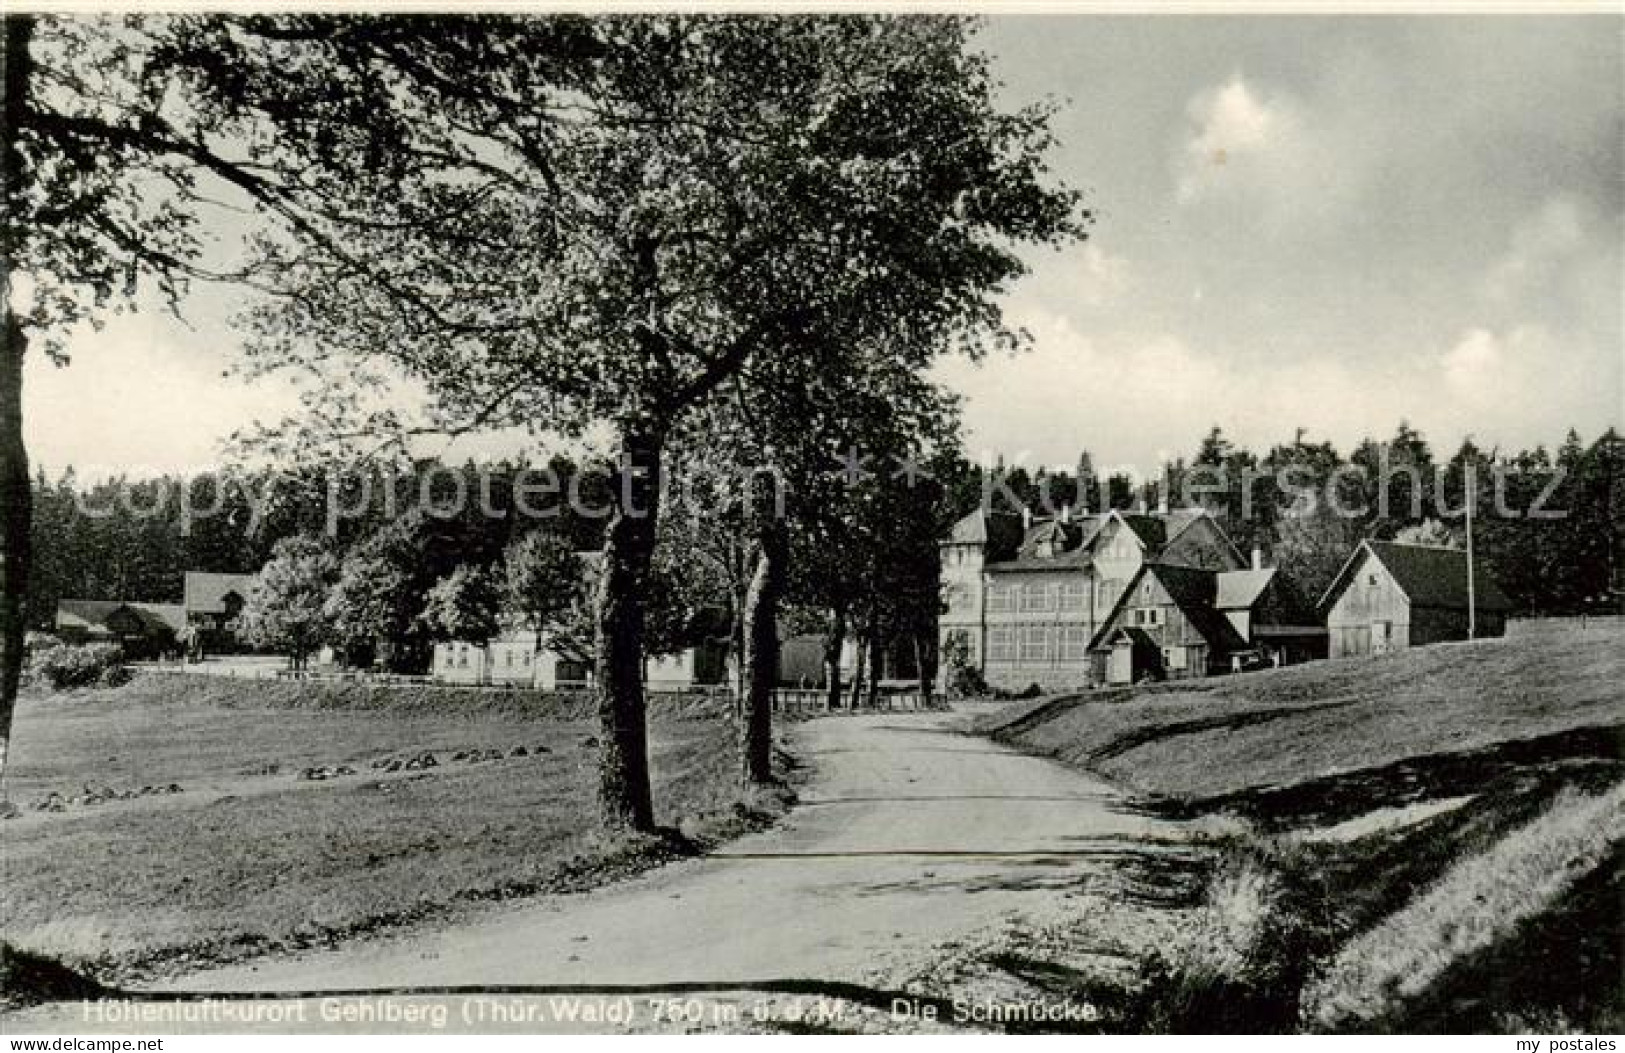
x: 1243, y: 962
x: 964, y: 679
x: 67, y: 667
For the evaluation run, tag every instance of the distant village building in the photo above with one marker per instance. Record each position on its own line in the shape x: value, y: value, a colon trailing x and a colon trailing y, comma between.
x: 143, y: 630
x: 204, y: 620
x: 517, y: 657
x: 514, y: 656
x: 1390, y: 596
x: 213, y: 603
x: 1174, y: 622
x: 1048, y: 601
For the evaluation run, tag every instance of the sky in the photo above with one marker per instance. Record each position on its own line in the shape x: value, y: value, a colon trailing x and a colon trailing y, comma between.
x: 1323, y: 223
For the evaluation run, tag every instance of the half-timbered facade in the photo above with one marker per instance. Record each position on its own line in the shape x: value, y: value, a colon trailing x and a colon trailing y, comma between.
x: 1025, y: 597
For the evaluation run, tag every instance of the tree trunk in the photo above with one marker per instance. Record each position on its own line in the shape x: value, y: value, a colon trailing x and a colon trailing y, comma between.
x: 761, y: 635
x: 16, y: 496
x: 762, y: 646
x: 862, y: 663
x: 920, y: 673
x: 624, y: 798
x: 16, y: 499
x: 834, y: 644
x: 877, y: 661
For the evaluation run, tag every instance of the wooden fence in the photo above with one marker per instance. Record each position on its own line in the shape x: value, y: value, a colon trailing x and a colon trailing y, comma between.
x: 1574, y: 628
x: 816, y: 700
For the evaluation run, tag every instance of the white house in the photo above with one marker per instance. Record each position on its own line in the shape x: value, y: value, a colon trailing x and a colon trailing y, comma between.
x: 517, y: 657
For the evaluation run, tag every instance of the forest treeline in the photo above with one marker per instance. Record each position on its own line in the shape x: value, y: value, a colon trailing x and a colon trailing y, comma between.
x: 1304, y: 504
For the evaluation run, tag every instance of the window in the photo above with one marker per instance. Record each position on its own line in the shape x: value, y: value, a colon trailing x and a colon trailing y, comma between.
x: 1035, y: 643
x: 1038, y: 597
x: 1145, y: 592
x: 1110, y: 589
x: 1173, y: 657
x: 1075, y: 596
x: 1148, y: 616
x: 998, y: 598
x: 1074, y: 643
x: 1001, y: 644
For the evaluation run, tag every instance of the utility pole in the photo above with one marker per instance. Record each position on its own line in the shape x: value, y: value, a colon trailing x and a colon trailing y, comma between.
x: 1471, y: 499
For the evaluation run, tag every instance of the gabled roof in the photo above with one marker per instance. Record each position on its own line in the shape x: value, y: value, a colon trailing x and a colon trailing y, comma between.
x: 94, y: 614
x: 1151, y: 529
x: 205, y: 593
x: 1009, y: 547
x: 1157, y: 530
x: 1429, y: 575
x: 1193, y: 591
x: 1240, y: 589
x: 1047, y: 537
x: 84, y: 614
x: 999, y: 533
x: 1133, y: 634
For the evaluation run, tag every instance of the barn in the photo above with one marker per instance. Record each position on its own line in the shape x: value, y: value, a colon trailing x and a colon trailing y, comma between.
x: 1389, y: 596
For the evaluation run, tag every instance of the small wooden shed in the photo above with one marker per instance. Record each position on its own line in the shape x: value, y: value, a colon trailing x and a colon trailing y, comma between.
x: 1390, y: 596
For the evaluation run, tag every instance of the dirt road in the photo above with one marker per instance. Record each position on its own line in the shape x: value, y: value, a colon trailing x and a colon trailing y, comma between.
x: 909, y: 838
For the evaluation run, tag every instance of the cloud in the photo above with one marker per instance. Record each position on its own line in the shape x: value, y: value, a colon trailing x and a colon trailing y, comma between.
x: 1539, y: 246
x: 1235, y: 138
x: 1526, y: 384
x: 1473, y: 359
x: 1099, y: 277
x: 1229, y: 123
x: 1253, y: 157
x: 1139, y: 398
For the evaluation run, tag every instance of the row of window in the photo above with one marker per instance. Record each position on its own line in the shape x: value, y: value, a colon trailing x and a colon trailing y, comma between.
x: 457, y: 656
x: 1039, y: 597
x: 1038, y: 643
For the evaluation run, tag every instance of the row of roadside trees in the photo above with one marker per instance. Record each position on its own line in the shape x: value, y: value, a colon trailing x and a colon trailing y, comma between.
x: 696, y: 235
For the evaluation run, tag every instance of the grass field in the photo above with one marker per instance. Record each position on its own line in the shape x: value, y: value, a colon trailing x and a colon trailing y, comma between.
x: 253, y: 855
x: 1429, y: 840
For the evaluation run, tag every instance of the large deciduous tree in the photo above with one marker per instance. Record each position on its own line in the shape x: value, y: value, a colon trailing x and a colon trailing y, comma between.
x: 287, y: 604
x: 608, y: 241
x: 118, y: 133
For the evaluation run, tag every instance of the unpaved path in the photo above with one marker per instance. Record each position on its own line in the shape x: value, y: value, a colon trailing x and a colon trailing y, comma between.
x: 909, y: 837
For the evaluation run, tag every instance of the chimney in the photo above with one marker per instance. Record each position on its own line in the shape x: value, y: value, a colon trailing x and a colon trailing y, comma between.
x: 1066, y: 512
x: 1026, y: 518
x: 1258, y: 558
x: 1162, y: 504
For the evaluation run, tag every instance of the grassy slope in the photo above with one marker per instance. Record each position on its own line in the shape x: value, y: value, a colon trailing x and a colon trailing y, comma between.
x: 250, y: 858
x: 1286, y: 727
x: 1523, y: 743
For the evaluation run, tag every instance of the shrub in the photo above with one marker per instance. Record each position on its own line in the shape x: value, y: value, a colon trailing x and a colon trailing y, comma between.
x: 66, y: 667
x: 965, y: 680
x: 1243, y: 964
